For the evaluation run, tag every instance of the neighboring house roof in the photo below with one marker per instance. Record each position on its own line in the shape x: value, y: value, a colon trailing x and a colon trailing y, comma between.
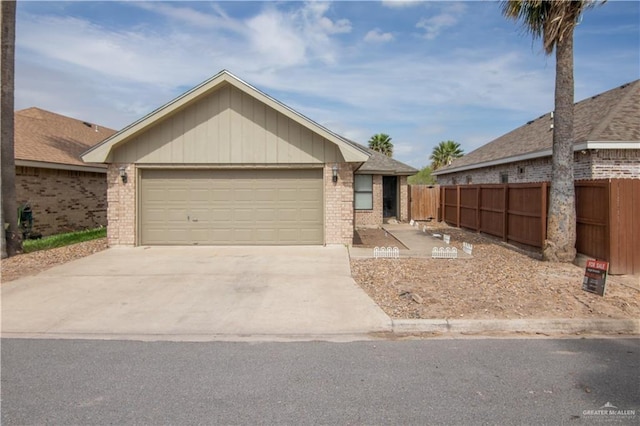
x: 47, y: 139
x: 101, y: 153
x: 609, y: 120
x: 381, y: 164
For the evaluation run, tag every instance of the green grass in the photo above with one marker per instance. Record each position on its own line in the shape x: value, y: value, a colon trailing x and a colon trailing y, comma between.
x: 61, y: 240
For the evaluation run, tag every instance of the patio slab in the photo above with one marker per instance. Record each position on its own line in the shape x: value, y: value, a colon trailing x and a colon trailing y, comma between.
x: 419, y: 244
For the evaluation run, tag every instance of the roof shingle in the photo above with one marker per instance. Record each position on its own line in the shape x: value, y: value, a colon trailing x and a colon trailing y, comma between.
x: 381, y: 164
x: 612, y: 116
x: 45, y: 136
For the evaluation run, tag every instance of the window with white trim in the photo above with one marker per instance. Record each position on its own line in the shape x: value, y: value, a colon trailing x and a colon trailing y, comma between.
x: 363, y: 192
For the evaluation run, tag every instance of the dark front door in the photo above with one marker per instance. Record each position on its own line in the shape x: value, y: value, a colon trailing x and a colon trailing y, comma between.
x: 389, y: 196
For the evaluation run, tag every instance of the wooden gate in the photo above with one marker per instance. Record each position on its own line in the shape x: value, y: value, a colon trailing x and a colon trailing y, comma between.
x: 424, y: 201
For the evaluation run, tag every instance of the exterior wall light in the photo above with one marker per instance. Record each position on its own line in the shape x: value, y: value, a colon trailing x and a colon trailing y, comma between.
x: 123, y: 174
x: 334, y: 169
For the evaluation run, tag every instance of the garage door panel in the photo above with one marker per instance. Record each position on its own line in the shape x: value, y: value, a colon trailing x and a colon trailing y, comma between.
x: 243, y: 194
x: 310, y: 215
x: 288, y: 195
x: 287, y: 235
x: 263, y: 235
x: 244, y: 215
x: 243, y: 236
x: 199, y: 234
x: 199, y: 195
x: 288, y: 215
x: 177, y: 235
x: 221, y: 215
x: 224, y: 235
x: 199, y: 214
x: 266, y: 215
x: 265, y: 195
x: 219, y: 194
x: 309, y: 194
x: 156, y: 195
x: 177, y: 215
x: 231, y: 207
x: 310, y: 235
x: 154, y: 215
x: 176, y: 195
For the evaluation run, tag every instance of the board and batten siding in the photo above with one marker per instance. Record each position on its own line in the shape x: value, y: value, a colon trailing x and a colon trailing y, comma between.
x: 228, y: 126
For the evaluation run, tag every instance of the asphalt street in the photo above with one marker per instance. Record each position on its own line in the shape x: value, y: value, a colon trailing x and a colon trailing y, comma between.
x: 448, y: 381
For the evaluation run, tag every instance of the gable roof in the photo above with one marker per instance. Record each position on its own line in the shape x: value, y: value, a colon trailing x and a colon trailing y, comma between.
x: 609, y: 120
x: 101, y: 153
x: 381, y: 164
x: 47, y: 139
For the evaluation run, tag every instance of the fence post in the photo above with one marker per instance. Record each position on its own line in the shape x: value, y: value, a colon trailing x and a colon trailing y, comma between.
x: 611, y: 235
x: 457, y: 206
x: 441, y: 203
x: 478, y: 208
x: 543, y: 214
x: 505, y: 213
x: 411, y: 205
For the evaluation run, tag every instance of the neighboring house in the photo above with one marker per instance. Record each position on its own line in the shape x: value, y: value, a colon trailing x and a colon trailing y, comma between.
x: 607, y: 145
x: 225, y: 163
x: 65, y: 194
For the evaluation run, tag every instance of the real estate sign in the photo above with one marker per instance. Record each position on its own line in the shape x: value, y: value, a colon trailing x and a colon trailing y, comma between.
x: 595, y: 276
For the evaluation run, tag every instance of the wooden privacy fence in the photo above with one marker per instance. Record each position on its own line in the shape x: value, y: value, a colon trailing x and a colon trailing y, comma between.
x: 424, y: 201
x: 512, y: 212
x: 607, y: 216
x: 608, y: 223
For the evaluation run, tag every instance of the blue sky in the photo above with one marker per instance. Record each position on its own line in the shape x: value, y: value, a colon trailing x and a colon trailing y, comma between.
x: 421, y: 72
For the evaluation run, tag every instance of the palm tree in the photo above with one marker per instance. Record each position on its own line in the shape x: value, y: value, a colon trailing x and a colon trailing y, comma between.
x: 445, y: 153
x: 381, y: 142
x: 554, y: 21
x: 7, y: 52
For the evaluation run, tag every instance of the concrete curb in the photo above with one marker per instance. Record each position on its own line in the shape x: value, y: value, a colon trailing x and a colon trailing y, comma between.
x: 542, y: 326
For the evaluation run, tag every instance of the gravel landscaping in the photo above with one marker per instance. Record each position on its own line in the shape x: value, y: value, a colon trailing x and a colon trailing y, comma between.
x: 31, y: 263
x: 500, y: 282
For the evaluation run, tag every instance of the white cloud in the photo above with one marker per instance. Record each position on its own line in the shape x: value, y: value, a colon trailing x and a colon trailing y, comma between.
x: 313, y: 14
x: 448, y: 17
x: 140, y: 56
x: 188, y: 15
x: 376, y: 35
x: 400, y: 3
x: 433, y: 26
x: 273, y: 39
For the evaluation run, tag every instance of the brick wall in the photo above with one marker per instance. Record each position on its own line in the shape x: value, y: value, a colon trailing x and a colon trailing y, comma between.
x: 404, y: 199
x: 338, y: 205
x: 615, y: 163
x: 62, y: 200
x: 592, y: 164
x: 121, y: 198
x: 372, y: 218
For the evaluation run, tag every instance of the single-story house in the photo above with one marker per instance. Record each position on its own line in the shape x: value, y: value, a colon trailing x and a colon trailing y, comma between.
x: 224, y: 163
x: 65, y: 194
x: 607, y: 145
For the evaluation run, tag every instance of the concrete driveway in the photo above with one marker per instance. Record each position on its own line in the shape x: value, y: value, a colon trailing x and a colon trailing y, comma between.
x: 194, y: 293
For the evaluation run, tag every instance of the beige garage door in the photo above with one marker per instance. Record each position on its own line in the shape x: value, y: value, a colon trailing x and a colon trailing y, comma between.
x: 243, y: 207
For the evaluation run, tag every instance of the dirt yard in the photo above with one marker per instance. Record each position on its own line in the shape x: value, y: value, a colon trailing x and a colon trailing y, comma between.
x: 498, y: 282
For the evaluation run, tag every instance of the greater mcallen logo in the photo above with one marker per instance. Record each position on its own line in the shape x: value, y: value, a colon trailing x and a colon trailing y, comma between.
x: 611, y: 411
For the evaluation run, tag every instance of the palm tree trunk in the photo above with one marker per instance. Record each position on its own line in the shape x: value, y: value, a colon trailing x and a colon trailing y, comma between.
x: 7, y: 152
x: 561, y: 226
